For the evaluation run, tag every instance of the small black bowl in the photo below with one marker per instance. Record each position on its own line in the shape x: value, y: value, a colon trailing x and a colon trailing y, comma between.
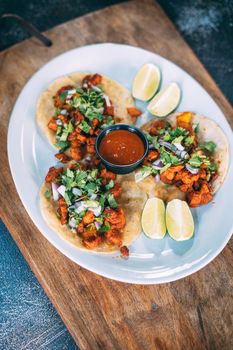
x: 116, y: 168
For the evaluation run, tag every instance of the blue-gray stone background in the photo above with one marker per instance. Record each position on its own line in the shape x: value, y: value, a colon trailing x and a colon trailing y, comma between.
x: 27, y: 318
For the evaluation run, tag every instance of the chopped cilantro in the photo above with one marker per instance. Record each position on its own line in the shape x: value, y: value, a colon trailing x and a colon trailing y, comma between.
x: 63, y: 145
x: 195, y: 127
x: 109, y: 121
x: 105, y: 228
x: 195, y: 161
x: 153, y: 140
x: 178, y: 139
x: 63, y: 95
x: 188, y: 140
x: 111, y: 200
x: 212, y: 167
x: 208, y: 146
x: 84, y: 126
x: 109, y: 185
x: 167, y: 157
x: 48, y: 194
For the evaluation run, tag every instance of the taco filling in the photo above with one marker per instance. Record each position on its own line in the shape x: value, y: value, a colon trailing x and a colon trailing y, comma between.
x: 86, y: 202
x: 176, y: 157
x: 81, y: 112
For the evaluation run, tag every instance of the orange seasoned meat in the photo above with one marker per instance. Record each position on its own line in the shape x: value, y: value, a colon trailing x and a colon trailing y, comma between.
x: 185, y: 117
x: 158, y: 124
x: 124, y: 251
x: 53, y: 174
x: 94, y: 79
x: 58, y: 102
x: 88, y: 218
x: 109, y: 110
x: 63, y: 210
x: 62, y: 157
x: 92, y: 242
x: 151, y: 156
x: 76, y: 153
x: 107, y: 174
x: 95, y: 122
x: 116, y: 190
x: 72, y: 136
x: 63, y: 118
x: 91, y: 145
x: 203, y: 196
x: 80, y: 228
x: 113, y: 236
x: 81, y: 138
x: 170, y: 174
x: 116, y: 218
x: 52, y: 125
x: 134, y: 112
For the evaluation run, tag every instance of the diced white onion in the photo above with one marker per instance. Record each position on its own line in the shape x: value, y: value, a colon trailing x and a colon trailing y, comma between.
x: 157, y: 178
x: 63, y: 112
x: 55, y: 191
x: 107, y: 101
x: 95, y: 211
x: 179, y: 146
x: 96, y: 88
x: 93, y: 196
x: 76, y: 191
x: 72, y: 223
x: 61, y: 189
x: 59, y: 122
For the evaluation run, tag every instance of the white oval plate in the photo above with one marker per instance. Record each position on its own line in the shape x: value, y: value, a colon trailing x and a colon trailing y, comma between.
x: 30, y: 156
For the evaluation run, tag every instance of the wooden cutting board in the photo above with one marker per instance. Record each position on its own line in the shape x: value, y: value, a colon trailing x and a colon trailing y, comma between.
x: 193, y: 313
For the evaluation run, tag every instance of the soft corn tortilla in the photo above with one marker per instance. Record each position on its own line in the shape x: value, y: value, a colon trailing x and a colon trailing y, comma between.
x: 131, y: 200
x: 209, y: 130
x: 120, y: 97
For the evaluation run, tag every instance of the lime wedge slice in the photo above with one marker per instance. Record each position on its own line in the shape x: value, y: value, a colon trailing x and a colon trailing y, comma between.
x: 179, y: 220
x: 146, y: 82
x: 165, y: 101
x: 153, y: 218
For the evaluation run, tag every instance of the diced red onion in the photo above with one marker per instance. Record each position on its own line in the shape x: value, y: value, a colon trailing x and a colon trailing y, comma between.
x: 191, y: 169
x: 85, y: 85
x: 151, y: 146
x: 157, y: 164
x: 157, y: 178
x: 55, y: 192
x: 107, y: 101
x: 76, y: 191
x: 97, y: 225
x: 61, y: 189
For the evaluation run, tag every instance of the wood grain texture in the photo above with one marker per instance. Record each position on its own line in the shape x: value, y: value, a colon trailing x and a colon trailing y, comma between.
x: 193, y: 313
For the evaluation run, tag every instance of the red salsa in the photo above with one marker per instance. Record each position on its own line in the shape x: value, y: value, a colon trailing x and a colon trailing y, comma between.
x: 121, y: 147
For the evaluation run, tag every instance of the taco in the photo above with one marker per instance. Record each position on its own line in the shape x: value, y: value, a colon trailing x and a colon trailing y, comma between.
x: 95, y: 210
x: 188, y: 157
x: 75, y: 108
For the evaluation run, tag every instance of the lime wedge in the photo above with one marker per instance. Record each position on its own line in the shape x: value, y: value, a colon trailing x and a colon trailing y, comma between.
x: 153, y: 218
x: 146, y: 82
x: 165, y: 101
x: 179, y: 220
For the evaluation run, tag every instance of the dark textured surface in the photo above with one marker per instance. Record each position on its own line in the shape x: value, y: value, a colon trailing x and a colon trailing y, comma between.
x: 207, y: 26
x: 27, y: 318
